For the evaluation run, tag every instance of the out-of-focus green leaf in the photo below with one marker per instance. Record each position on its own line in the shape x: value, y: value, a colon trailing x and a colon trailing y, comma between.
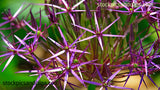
x: 91, y: 87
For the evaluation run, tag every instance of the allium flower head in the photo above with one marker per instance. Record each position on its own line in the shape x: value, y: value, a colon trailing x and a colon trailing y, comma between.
x: 123, y: 41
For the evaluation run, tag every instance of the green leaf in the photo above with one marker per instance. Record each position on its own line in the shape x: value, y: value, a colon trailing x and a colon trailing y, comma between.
x: 117, y: 50
x: 91, y: 87
x: 124, y: 43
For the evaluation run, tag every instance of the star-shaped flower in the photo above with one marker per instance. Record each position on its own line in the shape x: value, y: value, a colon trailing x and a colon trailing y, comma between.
x: 66, y: 68
x: 66, y: 48
x: 40, y: 72
x: 37, y: 29
x: 130, y: 9
x: 31, y: 47
x: 99, y: 33
x: 9, y: 17
x: 106, y: 83
x: 67, y: 8
x: 12, y: 51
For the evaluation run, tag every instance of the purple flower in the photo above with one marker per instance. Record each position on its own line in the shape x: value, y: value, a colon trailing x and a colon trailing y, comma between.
x: 141, y: 64
x: 99, y: 33
x: 66, y: 47
x: 31, y: 47
x: 12, y: 51
x: 67, y: 9
x: 97, y: 61
x: 40, y: 72
x: 69, y: 68
x: 148, y: 58
x: 151, y: 11
x: 9, y: 17
x: 52, y: 16
x: 106, y: 83
x: 130, y: 9
x: 37, y: 29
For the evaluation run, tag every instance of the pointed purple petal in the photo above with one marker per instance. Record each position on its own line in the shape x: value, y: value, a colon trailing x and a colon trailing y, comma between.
x: 9, y: 60
x: 23, y: 57
x: 150, y: 49
x: 100, y: 42
x: 79, y: 10
x: 28, y: 71
x: 19, y: 50
x: 21, y: 41
x: 60, y: 12
x: 68, y: 59
x: 83, y: 63
x: 76, y: 5
x: 96, y: 22
x: 1, y: 24
x: 65, y: 80
x: 30, y: 26
x: 55, y: 55
x: 102, y: 88
x: 85, y: 29
x: 72, y: 18
x: 123, y: 5
x: 140, y: 41
x: 55, y: 6
x: 113, y: 75
x: 146, y: 68
x: 64, y: 40
x: 78, y: 51
x: 137, y: 8
x: 40, y: 19
x: 110, y: 25
x: 34, y: 74
x: 7, y: 43
x: 55, y: 42
x: 99, y: 74
x: 90, y: 37
x: 6, y: 54
x: 157, y: 66
x: 71, y: 58
x: 37, y: 81
x: 16, y: 14
x: 94, y: 83
x: 140, y: 81
x: 152, y: 81
x: 60, y: 60
x: 55, y: 69
x: 65, y: 3
x: 110, y: 35
x: 119, y: 87
x: 157, y: 56
x: 77, y: 39
x: 33, y: 21
x: 37, y: 61
x: 127, y: 77
x: 75, y: 75
x: 80, y: 72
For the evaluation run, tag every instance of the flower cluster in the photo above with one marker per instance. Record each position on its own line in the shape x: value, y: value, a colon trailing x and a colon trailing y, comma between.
x: 91, y: 43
